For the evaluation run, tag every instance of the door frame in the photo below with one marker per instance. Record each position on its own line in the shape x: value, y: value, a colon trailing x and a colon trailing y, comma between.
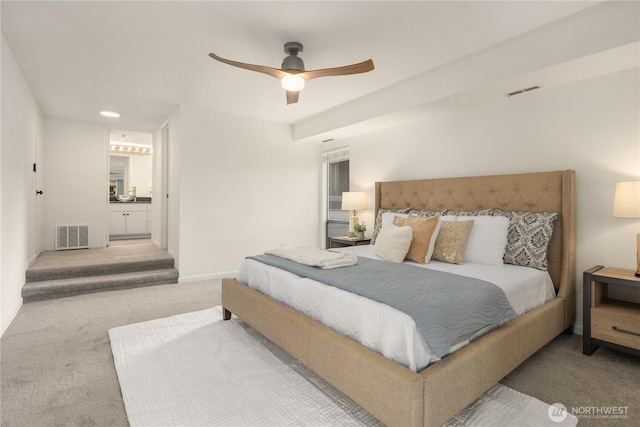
x: 163, y: 193
x: 38, y: 185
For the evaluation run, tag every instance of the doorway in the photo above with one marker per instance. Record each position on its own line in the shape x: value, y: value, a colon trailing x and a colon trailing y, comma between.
x: 130, y: 185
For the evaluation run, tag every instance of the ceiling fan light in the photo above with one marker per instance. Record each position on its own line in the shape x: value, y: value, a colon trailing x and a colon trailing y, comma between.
x: 292, y: 82
x: 111, y: 114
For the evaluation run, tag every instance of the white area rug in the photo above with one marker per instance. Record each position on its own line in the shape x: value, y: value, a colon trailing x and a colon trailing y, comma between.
x: 195, y: 369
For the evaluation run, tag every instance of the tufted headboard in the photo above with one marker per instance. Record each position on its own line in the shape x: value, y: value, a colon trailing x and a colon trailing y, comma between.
x: 531, y: 192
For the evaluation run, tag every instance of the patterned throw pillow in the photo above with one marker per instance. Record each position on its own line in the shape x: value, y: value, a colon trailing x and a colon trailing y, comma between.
x: 528, y: 238
x: 424, y: 214
x: 452, y: 241
x: 482, y: 212
x: 378, y: 224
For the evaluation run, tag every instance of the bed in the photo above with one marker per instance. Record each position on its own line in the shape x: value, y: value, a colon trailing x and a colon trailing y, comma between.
x: 393, y: 393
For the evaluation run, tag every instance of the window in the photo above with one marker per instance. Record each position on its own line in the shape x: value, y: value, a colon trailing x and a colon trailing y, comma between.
x: 336, y: 182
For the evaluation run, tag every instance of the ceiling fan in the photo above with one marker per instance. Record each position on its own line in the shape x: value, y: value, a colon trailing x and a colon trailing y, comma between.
x: 292, y: 74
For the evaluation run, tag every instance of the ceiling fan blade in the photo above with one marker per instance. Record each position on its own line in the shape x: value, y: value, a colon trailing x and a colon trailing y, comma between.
x: 292, y: 96
x: 273, y: 72
x: 361, y: 67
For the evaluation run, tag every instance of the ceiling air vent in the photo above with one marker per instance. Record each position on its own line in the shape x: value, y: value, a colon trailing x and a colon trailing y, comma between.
x: 518, y: 92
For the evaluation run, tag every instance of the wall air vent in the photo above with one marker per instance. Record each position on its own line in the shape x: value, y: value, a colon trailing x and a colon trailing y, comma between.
x: 72, y: 237
x: 518, y: 92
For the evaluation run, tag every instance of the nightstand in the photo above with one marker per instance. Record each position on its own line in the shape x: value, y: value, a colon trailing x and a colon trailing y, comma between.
x: 611, y: 310
x: 344, y: 241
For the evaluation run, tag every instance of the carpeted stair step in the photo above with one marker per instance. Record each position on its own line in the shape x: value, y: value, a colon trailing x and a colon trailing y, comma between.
x: 97, y: 269
x: 60, y: 288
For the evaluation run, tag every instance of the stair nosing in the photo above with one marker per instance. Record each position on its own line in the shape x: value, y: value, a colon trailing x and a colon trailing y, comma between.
x: 54, y: 273
x: 44, y: 297
x: 89, y: 282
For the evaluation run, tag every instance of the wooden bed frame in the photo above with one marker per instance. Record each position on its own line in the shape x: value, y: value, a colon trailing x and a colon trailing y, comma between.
x: 394, y: 394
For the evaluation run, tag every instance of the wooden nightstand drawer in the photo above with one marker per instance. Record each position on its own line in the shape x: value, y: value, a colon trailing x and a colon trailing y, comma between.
x: 626, y: 321
x: 611, y: 310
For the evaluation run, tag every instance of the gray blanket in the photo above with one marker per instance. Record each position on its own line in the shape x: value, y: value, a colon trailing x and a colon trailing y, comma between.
x: 447, y: 308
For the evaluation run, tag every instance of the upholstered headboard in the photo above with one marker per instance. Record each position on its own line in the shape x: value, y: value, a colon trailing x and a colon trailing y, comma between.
x: 531, y: 192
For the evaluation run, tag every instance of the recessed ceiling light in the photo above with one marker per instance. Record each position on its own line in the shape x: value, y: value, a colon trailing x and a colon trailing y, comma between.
x: 111, y: 114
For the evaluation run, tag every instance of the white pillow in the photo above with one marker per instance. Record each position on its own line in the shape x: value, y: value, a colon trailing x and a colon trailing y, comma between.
x: 487, y: 241
x: 393, y: 243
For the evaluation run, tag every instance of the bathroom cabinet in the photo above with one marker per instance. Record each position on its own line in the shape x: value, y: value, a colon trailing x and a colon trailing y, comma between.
x: 129, y: 219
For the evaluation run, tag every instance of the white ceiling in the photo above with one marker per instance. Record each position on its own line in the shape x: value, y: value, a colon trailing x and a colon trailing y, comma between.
x: 145, y: 58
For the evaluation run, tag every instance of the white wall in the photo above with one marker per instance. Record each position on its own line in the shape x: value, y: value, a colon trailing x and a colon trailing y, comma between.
x: 22, y: 141
x: 591, y: 127
x: 245, y: 187
x: 76, y: 178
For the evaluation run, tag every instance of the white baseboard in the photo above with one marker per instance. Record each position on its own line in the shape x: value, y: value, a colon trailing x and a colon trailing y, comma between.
x: 5, y: 324
x: 203, y: 277
x: 577, y: 329
x: 32, y: 260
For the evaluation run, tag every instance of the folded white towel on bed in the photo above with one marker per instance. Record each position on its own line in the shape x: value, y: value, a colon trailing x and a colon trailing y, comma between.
x: 315, y: 257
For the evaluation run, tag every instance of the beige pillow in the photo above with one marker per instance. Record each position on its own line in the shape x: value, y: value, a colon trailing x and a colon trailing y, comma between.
x: 424, y: 236
x: 399, y: 221
x: 452, y: 241
x: 393, y: 243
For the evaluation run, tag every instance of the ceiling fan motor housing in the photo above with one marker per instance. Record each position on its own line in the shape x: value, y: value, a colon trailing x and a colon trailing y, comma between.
x: 292, y: 62
x: 293, y: 48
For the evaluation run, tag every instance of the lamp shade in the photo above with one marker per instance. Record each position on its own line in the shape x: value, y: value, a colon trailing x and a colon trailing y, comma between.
x: 354, y: 200
x: 626, y: 202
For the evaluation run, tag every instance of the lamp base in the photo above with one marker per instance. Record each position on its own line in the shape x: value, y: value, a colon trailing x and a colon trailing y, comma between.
x: 353, y: 221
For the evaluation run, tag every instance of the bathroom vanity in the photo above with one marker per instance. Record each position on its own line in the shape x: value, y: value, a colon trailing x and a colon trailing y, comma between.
x: 129, y: 220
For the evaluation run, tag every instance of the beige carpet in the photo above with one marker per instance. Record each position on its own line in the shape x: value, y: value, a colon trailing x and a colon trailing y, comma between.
x: 56, y: 362
x: 117, y: 253
x: 57, y: 368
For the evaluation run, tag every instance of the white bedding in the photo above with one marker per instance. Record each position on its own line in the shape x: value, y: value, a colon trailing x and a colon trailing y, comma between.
x: 378, y: 326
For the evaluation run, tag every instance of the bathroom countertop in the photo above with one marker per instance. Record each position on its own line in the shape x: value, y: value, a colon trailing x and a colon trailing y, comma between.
x: 138, y: 200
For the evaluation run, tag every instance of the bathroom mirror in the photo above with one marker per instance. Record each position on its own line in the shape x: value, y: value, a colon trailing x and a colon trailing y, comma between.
x: 130, y: 164
x: 118, y: 174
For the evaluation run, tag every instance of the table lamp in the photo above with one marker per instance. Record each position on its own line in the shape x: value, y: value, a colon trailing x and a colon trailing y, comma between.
x: 626, y: 204
x: 352, y: 201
